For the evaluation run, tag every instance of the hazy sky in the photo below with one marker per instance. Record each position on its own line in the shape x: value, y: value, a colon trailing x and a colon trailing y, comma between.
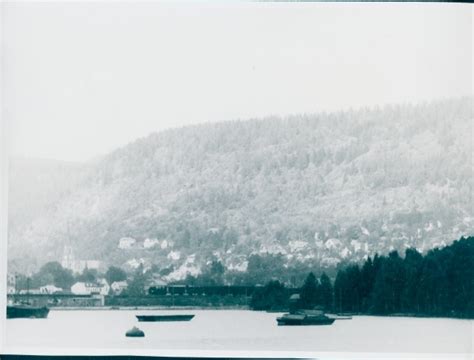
x: 83, y: 79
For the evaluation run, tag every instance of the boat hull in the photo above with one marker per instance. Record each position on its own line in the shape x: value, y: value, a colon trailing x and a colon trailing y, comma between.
x: 299, y: 320
x: 158, y: 318
x: 27, y: 312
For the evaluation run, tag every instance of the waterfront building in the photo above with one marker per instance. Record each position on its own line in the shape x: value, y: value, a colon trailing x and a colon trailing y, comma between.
x: 50, y: 289
x: 101, y: 287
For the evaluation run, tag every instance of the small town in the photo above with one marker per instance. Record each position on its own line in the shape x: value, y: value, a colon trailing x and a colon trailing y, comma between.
x: 87, y: 283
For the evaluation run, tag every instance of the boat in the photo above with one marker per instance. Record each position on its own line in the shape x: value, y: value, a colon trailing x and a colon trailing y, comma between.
x: 26, y: 311
x: 306, y: 317
x: 164, y: 317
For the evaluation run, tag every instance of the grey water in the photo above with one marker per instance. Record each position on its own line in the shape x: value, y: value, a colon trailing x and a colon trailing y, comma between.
x: 239, y: 330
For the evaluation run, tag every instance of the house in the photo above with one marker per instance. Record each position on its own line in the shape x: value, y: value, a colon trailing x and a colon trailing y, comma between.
x: 82, y: 288
x: 101, y: 287
x: 50, y: 289
x: 118, y: 287
x: 11, y: 283
x: 105, y: 287
x: 149, y: 243
x: 126, y: 243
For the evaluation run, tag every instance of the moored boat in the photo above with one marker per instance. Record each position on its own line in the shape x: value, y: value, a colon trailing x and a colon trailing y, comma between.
x: 305, y: 318
x: 164, y: 317
x: 26, y: 311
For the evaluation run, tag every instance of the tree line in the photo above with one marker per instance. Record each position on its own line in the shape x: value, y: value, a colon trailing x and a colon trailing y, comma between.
x: 440, y: 283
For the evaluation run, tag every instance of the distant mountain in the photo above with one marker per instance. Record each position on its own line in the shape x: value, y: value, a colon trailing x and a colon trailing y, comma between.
x: 320, y: 188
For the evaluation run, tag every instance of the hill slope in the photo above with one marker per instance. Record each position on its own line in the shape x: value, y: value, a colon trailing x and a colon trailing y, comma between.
x: 316, y: 188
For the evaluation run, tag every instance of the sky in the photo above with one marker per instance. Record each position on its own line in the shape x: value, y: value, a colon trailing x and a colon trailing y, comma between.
x: 81, y: 79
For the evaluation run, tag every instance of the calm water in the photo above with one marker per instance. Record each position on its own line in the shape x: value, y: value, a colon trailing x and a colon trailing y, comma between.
x: 241, y: 331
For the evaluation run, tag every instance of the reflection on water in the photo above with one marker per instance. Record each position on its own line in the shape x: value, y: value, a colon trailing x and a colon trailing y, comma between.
x: 240, y: 330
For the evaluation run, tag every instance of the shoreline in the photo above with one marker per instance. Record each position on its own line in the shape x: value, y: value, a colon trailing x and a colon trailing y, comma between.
x: 173, y: 308
x: 118, y: 308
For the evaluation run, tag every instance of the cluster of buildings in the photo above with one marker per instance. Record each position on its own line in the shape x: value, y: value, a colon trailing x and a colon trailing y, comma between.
x: 127, y: 243
x: 99, y: 287
x: 83, y: 288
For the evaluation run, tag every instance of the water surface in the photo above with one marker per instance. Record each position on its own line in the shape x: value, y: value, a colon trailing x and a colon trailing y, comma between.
x: 239, y: 330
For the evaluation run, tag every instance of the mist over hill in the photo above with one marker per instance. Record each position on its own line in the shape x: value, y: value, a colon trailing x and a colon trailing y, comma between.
x: 36, y: 184
x: 318, y: 189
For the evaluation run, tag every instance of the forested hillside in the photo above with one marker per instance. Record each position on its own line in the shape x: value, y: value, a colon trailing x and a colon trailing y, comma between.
x: 318, y: 189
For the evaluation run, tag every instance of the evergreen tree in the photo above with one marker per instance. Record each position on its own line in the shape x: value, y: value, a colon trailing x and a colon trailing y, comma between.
x: 433, y: 287
x: 340, y: 290
x: 460, y: 274
x: 367, y: 278
x: 114, y: 274
x: 352, y: 289
x: 309, y: 292
x: 326, y: 292
x: 273, y: 296
x: 412, y: 264
x: 137, y: 286
x: 389, y: 285
x: 88, y: 275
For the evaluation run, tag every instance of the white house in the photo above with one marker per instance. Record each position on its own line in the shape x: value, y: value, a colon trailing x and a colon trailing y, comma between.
x: 126, y: 243
x: 149, y: 243
x: 105, y: 287
x: 118, y: 287
x: 100, y: 287
x: 82, y: 288
x: 50, y: 289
